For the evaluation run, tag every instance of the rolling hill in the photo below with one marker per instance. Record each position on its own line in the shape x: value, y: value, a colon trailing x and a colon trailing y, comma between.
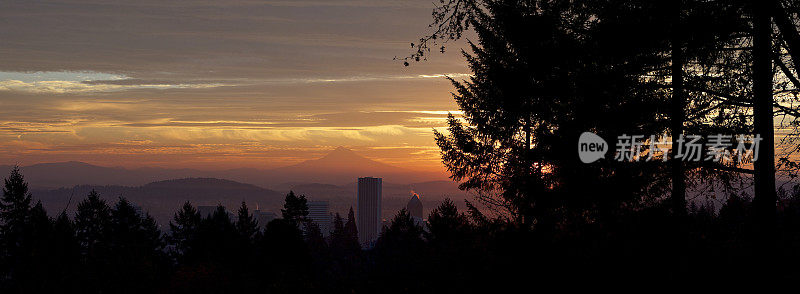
x: 340, y: 166
x: 161, y: 199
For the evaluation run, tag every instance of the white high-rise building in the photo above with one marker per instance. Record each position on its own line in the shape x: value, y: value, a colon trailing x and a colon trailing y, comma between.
x: 369, y: 210
x: 263, y: 217
x: 319, y: 213
x: 414, y: 208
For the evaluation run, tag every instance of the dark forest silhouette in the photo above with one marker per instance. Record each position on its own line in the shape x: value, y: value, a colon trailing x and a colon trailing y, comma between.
x: 114, y: 248
x: 543, y: 73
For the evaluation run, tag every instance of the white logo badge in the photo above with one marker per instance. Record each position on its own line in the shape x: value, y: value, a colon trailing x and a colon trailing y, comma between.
x: 591, y: 147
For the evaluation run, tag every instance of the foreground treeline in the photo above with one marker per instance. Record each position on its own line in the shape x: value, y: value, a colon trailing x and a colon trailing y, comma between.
x: 114, y: 248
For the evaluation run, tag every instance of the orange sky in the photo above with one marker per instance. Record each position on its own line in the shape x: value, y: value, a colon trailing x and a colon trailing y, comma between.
x: 218, y: 84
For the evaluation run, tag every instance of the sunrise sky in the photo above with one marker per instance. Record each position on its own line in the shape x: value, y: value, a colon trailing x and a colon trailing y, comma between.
x: 218, y: 84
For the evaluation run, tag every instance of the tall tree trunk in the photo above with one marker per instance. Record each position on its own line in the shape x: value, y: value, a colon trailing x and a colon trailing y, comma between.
x: 676, y: 128
x: 764, y: 178
x: 528, y: 215
x: 678, y: 201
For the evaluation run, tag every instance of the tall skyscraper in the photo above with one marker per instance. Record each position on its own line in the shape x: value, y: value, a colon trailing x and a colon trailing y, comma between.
x: 414, y: 208
x: 369, y: 210
x: 319, y: 213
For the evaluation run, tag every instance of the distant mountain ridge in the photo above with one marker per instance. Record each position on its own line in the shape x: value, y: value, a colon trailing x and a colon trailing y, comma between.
x: 342, y: 157
x: 201, y: 183
x: 161, y: 191
x: 340, y: 166
x: 163, y: 198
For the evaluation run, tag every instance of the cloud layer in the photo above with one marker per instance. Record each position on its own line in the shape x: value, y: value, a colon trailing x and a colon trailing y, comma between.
x: 198, y: 83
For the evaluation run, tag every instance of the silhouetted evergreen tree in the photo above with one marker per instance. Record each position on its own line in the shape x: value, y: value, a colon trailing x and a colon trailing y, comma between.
x: 247, y: 267
x: 51, y: 256
x: 451, y: 244
x: 93, y: 224
x: 400, y: 249
x: 136, y: 250
x: 31, y: 259
x: 351, y: 231
x: 403, y: 232
x: 447, y: 226
x: 314, y: 238
x: 543, y: 74
x: 184, y: 229
x: 218, y: 236
x: 338, y: 226
x: 15, y: 208
x: 295, y: 209
x: 214, y: 253
x: 288, y: 256
x: 319, y: 253
x: 246, y: 225
x: 337, y: 236
x: 64, y: 256
x: 15, y: 213
x: 346, y: 263
x: 547, y: 70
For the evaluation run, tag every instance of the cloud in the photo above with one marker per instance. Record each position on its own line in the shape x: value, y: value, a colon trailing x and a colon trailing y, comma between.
x: 176, y: 81
x: 338, y: 120
x: 61, y: 87
x: 48, y: 82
